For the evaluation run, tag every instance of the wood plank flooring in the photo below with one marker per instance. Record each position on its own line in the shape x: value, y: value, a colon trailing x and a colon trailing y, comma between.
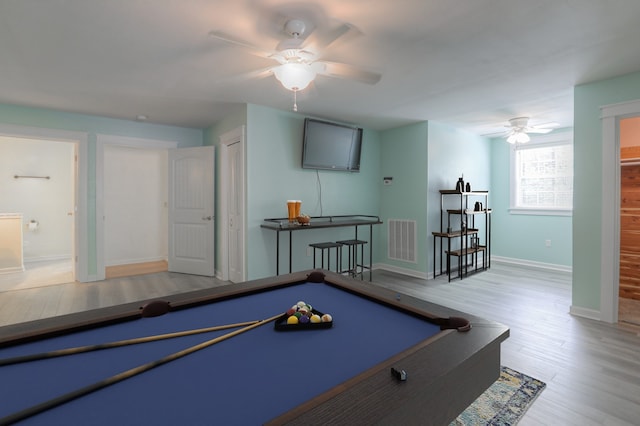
x: 37, y: 274
x: 592, y: 369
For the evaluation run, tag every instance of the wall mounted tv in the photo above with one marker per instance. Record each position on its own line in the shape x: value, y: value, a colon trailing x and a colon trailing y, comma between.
x: 331, y: 146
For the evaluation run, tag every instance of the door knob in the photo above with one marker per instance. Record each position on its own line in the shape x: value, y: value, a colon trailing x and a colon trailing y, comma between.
x: 207, y: 218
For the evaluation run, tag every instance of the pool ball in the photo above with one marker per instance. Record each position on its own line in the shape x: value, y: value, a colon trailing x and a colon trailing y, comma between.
x: 292, y: 320
x: 315, y: 319
x: 327, y: 318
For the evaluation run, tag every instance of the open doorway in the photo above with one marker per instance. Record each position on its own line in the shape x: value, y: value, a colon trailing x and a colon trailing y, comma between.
x: 135, y: 211
x: 629, y: 297
x: 38, y: 187
x: 131, y: 181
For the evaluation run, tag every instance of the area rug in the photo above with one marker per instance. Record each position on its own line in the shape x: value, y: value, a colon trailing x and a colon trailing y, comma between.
x: 504, y: 403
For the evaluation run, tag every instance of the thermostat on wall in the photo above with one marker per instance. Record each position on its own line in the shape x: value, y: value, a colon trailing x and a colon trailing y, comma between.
x: 387, y: 180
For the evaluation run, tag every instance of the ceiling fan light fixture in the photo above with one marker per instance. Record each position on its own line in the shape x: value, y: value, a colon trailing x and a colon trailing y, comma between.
x: 518, y: 137
x: 294, y: 76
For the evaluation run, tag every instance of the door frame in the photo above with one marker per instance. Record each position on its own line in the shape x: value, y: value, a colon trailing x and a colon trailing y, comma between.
x: 610, y: 225
x: 237, y: 135
x: 80, y: 243
x: 124, y: 141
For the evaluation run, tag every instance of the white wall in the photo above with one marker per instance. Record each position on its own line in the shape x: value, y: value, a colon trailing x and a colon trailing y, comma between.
x: 135, y: 205
x: 48, y: 201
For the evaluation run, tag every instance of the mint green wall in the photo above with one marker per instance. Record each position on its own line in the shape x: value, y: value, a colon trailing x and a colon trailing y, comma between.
x: 587, y: 190
x: 404, y: 157
x: 94, y: 125
x: 453, y: 153
x: 522, y: 237
x: 274, y: 175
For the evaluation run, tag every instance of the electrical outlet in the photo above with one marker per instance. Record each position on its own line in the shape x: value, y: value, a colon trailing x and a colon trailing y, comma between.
x: 547, y: 243
x: 309, y: 251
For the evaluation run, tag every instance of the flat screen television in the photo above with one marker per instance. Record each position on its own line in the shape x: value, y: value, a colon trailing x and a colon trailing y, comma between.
x: 331, y: 146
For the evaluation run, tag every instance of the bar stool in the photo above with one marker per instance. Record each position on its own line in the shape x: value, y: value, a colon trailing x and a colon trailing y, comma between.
x: 327, y: 246
x: 353, y: 257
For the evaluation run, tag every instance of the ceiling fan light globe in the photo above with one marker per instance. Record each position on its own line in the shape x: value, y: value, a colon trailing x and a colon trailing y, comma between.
x: 294, y: 76
x: 518, y: 137
x: 522, y: 138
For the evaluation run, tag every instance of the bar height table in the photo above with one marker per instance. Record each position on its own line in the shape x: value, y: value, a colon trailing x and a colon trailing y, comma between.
x: 282, y: 225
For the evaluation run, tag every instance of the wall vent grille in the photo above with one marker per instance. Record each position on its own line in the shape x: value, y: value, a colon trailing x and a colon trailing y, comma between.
x: 402, y: 243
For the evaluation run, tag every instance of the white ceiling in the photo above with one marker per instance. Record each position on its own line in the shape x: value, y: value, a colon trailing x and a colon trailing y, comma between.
x: 469, y: 63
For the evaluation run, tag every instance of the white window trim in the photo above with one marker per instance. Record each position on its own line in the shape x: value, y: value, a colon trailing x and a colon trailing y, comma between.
x: 559, y: 138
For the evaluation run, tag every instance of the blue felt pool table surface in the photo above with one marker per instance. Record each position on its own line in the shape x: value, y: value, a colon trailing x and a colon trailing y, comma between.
x: 248, y: 379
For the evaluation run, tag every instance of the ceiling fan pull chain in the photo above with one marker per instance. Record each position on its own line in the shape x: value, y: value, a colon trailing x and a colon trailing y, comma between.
x: 295, y: 101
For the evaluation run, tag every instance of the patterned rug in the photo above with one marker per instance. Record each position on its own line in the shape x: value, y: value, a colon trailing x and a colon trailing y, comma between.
x: 504, y: 403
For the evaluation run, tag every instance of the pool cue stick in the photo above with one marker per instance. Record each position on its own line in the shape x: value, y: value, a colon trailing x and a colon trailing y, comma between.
x: 118, y: 343
x: 39, y: 408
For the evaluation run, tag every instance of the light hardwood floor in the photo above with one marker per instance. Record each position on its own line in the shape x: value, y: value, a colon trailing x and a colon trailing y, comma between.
x: 592, y: 369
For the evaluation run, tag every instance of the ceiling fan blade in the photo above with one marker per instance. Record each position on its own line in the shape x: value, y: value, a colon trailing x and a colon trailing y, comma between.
x: 244, y: 76
x: 537, y: 130
x: 261, y: 73
x: 328, y: 38
x: 335, y: 69
x: 227, y: 38
x: 494, y: 134
x: 319, y: 40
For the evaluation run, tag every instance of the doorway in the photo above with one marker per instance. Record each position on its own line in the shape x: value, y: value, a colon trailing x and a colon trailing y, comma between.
x: 131, y: 182
x: 610, y: 202
x: 135, y: 211
x: 39, y: 187
x: 629, y: 302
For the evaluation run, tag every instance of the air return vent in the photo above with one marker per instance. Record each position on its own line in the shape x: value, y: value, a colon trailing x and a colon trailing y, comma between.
x: 402, y: 240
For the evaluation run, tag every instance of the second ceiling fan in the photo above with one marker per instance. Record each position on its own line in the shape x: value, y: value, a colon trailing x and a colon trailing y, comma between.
x: 520, y: 129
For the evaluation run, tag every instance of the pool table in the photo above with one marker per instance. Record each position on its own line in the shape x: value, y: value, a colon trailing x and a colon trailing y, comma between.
x: 385, y: 358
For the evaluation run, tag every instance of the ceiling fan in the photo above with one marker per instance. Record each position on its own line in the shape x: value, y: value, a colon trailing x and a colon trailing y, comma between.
x: 298, y: 55
x: 520, y: 128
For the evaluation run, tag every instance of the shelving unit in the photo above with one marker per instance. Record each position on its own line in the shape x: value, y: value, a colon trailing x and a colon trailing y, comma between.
x: 467, y: 242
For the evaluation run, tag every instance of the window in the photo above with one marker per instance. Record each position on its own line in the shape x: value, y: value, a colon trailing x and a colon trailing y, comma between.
x: 542, y: 175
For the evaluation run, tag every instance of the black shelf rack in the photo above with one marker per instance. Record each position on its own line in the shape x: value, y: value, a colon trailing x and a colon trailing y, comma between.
x: 468, y: 242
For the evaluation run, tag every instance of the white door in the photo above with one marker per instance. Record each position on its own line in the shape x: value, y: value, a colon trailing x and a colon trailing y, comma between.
x: 235, y: 212
x: 191, y: 209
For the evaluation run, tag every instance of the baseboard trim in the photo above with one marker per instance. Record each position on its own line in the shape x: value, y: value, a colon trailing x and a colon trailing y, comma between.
x: 403, y: 271
x: 532, y: 264
x: 55, y: 258
x: 135, y: 261
x: 12, y: 270
x: 130, y: 269
x: 585, y: 313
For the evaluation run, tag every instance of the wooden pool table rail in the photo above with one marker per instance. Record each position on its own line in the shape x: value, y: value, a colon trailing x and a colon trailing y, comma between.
x: 445, y: 373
